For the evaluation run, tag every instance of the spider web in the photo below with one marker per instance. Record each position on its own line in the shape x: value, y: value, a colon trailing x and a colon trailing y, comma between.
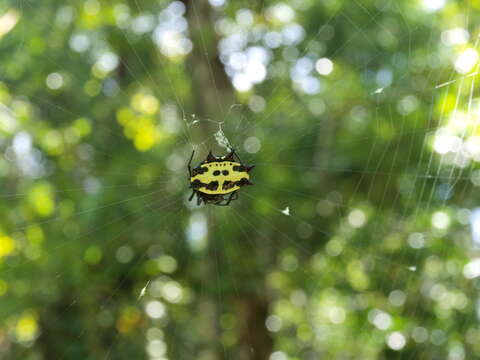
x: 368, y: 268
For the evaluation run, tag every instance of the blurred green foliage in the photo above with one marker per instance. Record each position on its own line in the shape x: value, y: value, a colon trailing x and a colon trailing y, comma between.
x: 355, y: 242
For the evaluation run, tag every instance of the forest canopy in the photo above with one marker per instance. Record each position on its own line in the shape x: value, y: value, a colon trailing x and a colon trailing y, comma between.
x: 359, y: 238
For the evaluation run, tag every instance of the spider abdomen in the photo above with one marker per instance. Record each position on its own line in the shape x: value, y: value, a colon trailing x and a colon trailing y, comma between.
x: 216, y: 177
x: 219, y: 177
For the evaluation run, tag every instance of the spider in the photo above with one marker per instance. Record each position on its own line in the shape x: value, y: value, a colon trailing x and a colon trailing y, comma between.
x: 216, y: 177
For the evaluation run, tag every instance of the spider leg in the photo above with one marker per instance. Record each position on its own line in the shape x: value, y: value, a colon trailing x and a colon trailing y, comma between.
x: 219, y: 201
x: 231, y: 198
x: 190, y: 163
x: 191, y: 196
x: 199, y: 200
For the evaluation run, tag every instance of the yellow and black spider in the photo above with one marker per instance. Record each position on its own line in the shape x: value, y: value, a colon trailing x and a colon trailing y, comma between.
x: 215, y: 178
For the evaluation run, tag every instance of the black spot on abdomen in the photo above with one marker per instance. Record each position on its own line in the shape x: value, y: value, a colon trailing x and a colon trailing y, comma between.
x: 242, y: 182
x: 196, y: 184
x: 199, y: 170
x: 228, y: 185
x: 213, y: 185
x: 239, y: 168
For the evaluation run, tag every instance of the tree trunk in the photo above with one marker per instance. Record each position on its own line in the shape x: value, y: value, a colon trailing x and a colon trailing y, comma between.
x: 213, y: 94
x: 254, y: 341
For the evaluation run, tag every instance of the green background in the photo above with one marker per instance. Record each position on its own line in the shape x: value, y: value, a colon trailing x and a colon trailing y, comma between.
x: 354, y: 243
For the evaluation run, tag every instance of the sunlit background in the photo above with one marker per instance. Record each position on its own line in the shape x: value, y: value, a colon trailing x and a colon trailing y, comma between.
x: 359, y: 240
